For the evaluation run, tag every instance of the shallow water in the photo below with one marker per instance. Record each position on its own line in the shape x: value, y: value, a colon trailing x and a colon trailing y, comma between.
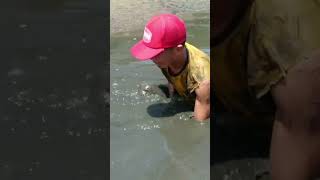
x: 151, y: 138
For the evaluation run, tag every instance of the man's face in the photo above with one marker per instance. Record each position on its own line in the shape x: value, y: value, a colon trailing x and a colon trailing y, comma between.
x: 163, y: 59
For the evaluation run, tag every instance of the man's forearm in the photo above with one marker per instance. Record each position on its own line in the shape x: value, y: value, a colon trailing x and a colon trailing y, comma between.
x: 201, y: 111
x: 202, y: 102
x: 171, y: 89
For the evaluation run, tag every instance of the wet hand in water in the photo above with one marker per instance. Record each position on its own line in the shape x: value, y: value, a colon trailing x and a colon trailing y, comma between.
x: 161, y: 90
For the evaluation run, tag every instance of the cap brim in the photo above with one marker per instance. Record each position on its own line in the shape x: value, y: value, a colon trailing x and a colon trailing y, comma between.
x: 142, y: 52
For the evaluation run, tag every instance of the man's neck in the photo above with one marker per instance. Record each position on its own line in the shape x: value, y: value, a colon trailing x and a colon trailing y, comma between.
x: 179, y: 64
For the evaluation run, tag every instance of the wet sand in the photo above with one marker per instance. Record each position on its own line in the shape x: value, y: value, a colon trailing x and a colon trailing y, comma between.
x: 128, y: 16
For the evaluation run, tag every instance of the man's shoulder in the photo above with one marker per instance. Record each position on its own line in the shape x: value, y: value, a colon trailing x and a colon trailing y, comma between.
x: 197, y: 56
x: 199, y: 68
x: 195, y: 49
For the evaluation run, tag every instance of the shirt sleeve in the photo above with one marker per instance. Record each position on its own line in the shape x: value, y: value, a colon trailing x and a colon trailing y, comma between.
x: 199, y: 72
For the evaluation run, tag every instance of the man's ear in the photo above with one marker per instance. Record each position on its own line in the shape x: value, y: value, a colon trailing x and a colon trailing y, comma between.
x: 180, y: 47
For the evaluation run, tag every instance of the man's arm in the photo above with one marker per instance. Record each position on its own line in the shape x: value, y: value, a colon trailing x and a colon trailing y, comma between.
x: 170, y: 89
x: 202, y: 103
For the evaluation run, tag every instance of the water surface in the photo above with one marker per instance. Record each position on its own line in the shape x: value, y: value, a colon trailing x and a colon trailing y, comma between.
x: 151, y: 137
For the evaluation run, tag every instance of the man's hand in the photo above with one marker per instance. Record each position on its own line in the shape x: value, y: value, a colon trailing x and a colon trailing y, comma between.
x: 202, y: 103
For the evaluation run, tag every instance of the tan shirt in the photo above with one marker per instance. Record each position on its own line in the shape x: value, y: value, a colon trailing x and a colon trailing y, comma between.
x: 196, y: 71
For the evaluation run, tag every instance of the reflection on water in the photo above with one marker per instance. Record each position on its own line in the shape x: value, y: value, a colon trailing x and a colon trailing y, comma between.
x: 150, y: 136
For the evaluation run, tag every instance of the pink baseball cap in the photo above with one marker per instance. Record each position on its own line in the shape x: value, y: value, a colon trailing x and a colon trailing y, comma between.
x: 162, y: 31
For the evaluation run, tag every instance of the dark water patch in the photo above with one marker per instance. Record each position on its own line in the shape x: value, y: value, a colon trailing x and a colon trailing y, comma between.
x: 170, y: 109
x: 53, y: 122
x: 240, y: 148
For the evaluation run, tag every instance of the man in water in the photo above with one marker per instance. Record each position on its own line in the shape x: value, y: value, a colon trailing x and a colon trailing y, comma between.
x: 186, y: 68
x: 267, y: 60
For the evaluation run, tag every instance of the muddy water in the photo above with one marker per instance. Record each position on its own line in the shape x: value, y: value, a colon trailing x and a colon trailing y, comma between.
x: 150, y: 136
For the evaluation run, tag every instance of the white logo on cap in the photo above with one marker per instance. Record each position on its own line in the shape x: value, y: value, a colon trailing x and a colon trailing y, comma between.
x: 147, y: 35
